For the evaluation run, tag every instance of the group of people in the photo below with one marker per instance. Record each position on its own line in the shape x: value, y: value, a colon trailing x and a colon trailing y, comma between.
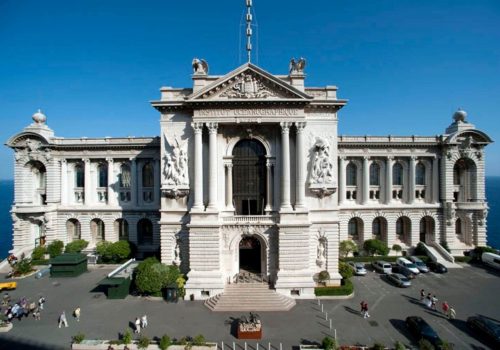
x: 22, y: 308
x: 64, y: 321
x: 430, y: 301
x: 364, y: 309
x: 140, y: 323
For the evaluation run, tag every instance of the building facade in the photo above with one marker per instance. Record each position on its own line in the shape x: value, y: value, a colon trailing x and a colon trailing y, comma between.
x: 250, y: 176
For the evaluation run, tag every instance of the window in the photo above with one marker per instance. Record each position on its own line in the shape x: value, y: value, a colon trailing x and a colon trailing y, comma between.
x: 73, y: 229
x: 458, y: 227
x: 420, y: 174
x: 377, y: 227
x: 145, y: 231
x: 121, y: 228
x: 125, y: 178
x: 374, y: 174
x: 102, y: 173
x: 79, y: 176
x: 397, y: 174
x: 353, y: 228
x: 148, y: 175
x: 351, y: 174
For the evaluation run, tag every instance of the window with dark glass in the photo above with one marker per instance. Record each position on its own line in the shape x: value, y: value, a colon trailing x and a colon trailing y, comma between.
x: 420, y: 174
x: 145, y: 231
x: 351, y: 174
x: 79, y: 176
x: 102, y: 173
x: 148, y: 175
x: 374, y: 174
x: 397, y: 174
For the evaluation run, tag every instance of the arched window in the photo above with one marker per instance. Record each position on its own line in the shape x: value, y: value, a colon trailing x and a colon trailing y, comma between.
x: 125, y: 178
x: 374, y: 174
x: 148, y: 175
x: 377, y: 227
x: 351, y: 174
x: 420, y: 174
x: 403, y: 229
x: 38, y: 182
x: 79, y: 175
x: 97, y: 229
x: 73, y: 229
x: 102, y: 175
x: 121, y: 229
x: 145, y: 231
x: 458, y: 227
x: 354, y: 228
x: 397, y: 174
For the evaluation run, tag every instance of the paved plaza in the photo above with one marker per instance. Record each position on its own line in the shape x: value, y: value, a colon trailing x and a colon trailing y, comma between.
x: 470, y: 290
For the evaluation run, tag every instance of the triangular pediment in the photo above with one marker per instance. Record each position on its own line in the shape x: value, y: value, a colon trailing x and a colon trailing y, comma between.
x: 248, y: 82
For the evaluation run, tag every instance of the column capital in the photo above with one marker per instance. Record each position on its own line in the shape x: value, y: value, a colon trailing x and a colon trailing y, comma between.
x: 285, y: 127
x: 228, y: 165
x: 390, y: 158
x: 110, y: 160
x: 212, y: 127
x: 198, y: 127
x: 269, y: 163
x: 86, y: 160
x: 300, y: 126
x: 63, y: 161
x: 343, y: 157
x: 413, y: 158
x: 366, y: 158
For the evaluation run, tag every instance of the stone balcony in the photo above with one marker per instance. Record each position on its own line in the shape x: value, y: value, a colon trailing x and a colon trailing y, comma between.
x: 250, y: 219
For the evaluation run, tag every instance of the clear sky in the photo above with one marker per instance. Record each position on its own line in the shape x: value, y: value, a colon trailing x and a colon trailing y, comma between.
x: 405, y: 66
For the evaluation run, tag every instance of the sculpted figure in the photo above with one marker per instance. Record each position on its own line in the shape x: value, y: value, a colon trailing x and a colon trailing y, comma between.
x: 297, y: 67
x: 200, y: 66
x: 176, y: 165
x: 322, y: 168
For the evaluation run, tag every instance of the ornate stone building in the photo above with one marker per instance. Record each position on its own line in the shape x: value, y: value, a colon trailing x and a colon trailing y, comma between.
x: 249, y: 174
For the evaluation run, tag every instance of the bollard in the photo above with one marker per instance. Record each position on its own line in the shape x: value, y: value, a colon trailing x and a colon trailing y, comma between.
x: 257, y: 348
x: 245, y: 345
x: 321, y: 307
x: 222, y: 345
x: 318, y: 302
x: 234, y: 346
x: 330, y: 323
x: 268, y: 346
x: 335, y: 333
x: 326, y: 316
x: 281, y: 348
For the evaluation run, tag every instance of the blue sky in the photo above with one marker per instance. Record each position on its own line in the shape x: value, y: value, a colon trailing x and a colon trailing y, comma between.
x: 405, y: 66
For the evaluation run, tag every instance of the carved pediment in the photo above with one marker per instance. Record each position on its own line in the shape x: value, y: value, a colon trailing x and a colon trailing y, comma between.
x: 246, y: 83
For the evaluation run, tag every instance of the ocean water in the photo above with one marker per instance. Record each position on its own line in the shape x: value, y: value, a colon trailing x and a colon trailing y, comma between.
x: 7, y: 193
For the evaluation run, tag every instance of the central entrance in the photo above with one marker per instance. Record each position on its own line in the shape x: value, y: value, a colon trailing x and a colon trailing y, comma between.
x: 250, y: 255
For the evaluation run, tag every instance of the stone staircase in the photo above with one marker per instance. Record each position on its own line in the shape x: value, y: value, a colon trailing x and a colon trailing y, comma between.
x: 436, y: 253
x: 249, y: 297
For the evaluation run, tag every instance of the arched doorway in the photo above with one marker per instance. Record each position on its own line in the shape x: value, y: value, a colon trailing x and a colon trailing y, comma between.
x: 250, y: 252
x: 464, y: 180
x: 403, y: 229
x: 427, y: 227
x: 379, y: 229
x: 249, y: 177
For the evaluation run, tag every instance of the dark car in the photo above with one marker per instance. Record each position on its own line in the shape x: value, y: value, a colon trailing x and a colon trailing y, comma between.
x: 403, y: 271
x: 398, y: 279
x: 486, y: 328
x: 437, y: 267
x: 422, y: 330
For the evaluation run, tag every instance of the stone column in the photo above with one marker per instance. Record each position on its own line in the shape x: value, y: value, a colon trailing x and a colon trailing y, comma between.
x: 133, y: 182
x: 366, y: 179
x: 342, y: 179
x: 198, y: 166
x: 285, y: 166
x: 212, y: 163
x: 64, y: 182
x: 229, y: 187
x: 87, y: 182
x: 300, y: 189
x: 269, y: 192
x: 156, y: 179
x: 435, y: 180
x: 111, y: 182
x: 411, y: 196
x: 388, y: 179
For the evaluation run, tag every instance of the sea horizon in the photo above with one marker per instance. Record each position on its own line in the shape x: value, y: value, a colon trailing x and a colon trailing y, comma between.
x: 7, y: 196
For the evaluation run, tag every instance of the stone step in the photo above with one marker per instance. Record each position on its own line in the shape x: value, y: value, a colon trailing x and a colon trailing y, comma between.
x: 249, y: 297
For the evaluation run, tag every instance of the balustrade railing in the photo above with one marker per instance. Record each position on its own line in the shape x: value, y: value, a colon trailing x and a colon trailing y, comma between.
x: 250, y: 218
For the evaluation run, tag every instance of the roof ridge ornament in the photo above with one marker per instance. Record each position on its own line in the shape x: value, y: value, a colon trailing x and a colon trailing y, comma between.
x: 39, y: 117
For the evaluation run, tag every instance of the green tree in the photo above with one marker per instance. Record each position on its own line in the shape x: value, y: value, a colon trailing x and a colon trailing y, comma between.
x: 397, y: 248
x: 76, y: 246
x: 323, y: 276
x: 329, y: 343
x: 375, y: 247
x: 345, y: 270
x: 55, y: 248
x: 23, y: 267
x: 399, y: 346
x: 347, y: 247
x: 38, y: 253
x: 424, y: 344
x: 151, y: 276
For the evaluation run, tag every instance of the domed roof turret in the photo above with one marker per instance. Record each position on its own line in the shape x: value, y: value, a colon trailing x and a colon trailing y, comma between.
x: 460, y: 115
x: 39, y: 117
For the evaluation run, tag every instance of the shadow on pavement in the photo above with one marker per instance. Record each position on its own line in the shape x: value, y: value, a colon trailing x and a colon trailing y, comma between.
x: 462, y: 326
x: 400, y: 326
x: 25, y: 344
x: 352, y: 311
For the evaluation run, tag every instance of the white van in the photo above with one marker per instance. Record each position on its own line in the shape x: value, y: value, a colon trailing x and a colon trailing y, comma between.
x: 408, y: 264
x: 491, y: 259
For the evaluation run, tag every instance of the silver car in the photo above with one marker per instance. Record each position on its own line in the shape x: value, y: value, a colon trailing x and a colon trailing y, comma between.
x: 419, y: 263
x: 358, y: 268
x: 399, y: 280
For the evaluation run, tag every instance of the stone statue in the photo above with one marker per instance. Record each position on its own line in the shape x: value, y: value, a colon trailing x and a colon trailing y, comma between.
x: 176, y: 165
x: 322, y: 166
x: 200, y: 67
x: 321, y: 258
x: 297, y: 67
x: 177, y: 254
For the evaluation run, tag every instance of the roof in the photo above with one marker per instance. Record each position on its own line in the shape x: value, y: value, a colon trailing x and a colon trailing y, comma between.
x: 68, y: 258
x: 112, y: 281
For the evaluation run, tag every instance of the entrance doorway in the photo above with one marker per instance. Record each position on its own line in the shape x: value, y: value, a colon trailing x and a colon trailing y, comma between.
x: 250, y: 255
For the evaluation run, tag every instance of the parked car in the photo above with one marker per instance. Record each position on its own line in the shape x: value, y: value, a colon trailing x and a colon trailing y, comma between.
x: 422, y: 330
x: 403, y: 271
x: 437, y: 267
x: 358, y: 268
x: 419, y: 264
x: 8, y: 285
x: 492, y: 260
x: 486, y: 328
x: 408, y: 264
x: 382, y: 266
x: 399, y: 280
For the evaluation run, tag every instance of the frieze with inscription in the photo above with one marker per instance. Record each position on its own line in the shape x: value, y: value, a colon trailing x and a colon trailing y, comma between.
x: 251, y: 114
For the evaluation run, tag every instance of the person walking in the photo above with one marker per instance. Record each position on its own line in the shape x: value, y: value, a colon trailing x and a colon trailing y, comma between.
x: 63, y: 320
x: 36, y: 314
x: 433, y: 302
x: 137, y: 325
x: 41, y: 301
x: 362, y: 305
x: 77, y: 314
x: 422, y: 294
x: 452, y: 313
x: 445, y: 307
x: 366, y: 314
x: 144, y: 321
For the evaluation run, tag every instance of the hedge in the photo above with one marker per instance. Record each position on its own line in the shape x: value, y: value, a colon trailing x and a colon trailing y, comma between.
x: 345, y: 289
x: 391, y: 259
x: 463, y: 259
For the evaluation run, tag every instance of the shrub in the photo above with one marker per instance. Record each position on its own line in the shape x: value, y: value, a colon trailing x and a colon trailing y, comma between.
x: 347, y: 247
x: 55, y: 248
x: 397, y: 248
x: 127, y: 337
x: 323, y: 276
x: 375, y: 246
x: 113, y: 252
x: 199, y: 340
x: 424, y: 344
x: 378, y: 346
x: 399, y: 346
x: 329, y: 343
x: 78, y: 338
x: 23, y: 267
x: 478, y: 252
x: 76, y: 246
x: 143, y: 342
x: 419, y: 249
x: 151, y: 276
x: 345, y: 270
x: 444, y: 244
x: 345, y: 289
x: 38, y: 253
x: 165, y: 342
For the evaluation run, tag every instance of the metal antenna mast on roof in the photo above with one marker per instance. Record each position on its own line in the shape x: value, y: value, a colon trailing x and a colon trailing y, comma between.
x: 248, y: 23
x: 249, y: 29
